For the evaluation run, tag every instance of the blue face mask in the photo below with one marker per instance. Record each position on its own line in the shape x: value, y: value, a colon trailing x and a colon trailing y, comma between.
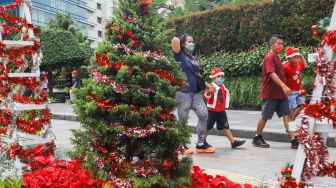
x: 219, y: 81
x: 190, y: 47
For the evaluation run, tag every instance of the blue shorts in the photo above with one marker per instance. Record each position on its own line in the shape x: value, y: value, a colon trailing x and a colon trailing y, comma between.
x: 295, y: 100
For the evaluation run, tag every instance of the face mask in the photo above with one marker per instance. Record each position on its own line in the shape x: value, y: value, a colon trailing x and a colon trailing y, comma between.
x: 279, y: 48
x: 219, y: 81
x: 190, y: 47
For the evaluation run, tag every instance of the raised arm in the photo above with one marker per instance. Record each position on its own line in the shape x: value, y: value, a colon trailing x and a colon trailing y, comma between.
x: 304, y: 61
x: 176, y: 45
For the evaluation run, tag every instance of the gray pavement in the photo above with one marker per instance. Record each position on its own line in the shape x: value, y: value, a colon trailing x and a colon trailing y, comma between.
x: 247, y: 164
x: 242, y: 123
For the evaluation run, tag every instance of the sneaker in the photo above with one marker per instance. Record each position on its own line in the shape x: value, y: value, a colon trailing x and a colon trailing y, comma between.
x: 237, y: 143
x: 184, y: 150
x: 187, y: 152
x: 295, y: 143
x: 205, y: 148
x: 258, y: 141
x: 207, y: 144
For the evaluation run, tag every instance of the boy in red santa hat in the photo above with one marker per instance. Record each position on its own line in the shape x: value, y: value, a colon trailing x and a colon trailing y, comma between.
x: 218, y: 99
x: 293, y: 69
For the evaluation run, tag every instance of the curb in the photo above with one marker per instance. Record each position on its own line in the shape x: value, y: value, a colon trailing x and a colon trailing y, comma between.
x: 270, y: 136
x: 64, y: 117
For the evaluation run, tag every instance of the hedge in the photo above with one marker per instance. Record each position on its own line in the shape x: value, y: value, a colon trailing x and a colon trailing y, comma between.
x: 245, y: 91
x: 243, y: 74
x: 238, y: 28
x: 244, y: 64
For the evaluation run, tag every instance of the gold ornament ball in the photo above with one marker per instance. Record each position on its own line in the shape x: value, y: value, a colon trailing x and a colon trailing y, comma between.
x: 24, y: 30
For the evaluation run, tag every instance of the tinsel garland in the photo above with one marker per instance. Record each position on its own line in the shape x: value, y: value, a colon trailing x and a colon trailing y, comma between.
x: 287, y: 181
x: 316, y: 151
x: 110, y: 105
x: 330, y: 39
x: 139, y: 131
x: 16, y: 150
x: 103, y: 61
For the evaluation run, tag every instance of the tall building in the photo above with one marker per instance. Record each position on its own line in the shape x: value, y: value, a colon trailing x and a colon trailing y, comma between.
x: 100, y: 11
x: 90, y: 15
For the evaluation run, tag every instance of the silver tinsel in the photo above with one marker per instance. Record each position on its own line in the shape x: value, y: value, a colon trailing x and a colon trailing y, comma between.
x: 9, y: 168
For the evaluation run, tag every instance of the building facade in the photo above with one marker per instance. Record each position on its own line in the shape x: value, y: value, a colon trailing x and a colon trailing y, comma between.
x: 89, y: 15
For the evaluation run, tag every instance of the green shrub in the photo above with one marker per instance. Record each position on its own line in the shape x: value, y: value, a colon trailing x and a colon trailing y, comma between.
x: 244, y: 92
x: 235, y: 28
x: 243, y: 74
x: 11, y: 183
x: 244, y: 64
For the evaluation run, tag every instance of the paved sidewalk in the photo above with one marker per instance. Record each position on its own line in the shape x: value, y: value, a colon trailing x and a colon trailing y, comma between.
x: 247, y: 164
x: 242, y: 123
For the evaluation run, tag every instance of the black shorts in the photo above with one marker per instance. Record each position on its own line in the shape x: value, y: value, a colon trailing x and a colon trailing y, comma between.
x: 280, y: 106
x: 219, y: 118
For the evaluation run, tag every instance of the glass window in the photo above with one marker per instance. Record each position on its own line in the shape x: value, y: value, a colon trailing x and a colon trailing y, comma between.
x: 99, y: 20
x: 41, y: 19
x: 53, y: 3
x: 98, y: 6
x: 100, y: 34
x: 63, y: 6
x: 34, y: 16
x: 58, y: 4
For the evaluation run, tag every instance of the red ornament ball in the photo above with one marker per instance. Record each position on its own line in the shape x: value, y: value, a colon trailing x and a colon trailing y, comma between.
x: 302, y: 92
x: 314, y: 27
x: 25, y: 36
x: 315, y: 33
x: 19, y: 61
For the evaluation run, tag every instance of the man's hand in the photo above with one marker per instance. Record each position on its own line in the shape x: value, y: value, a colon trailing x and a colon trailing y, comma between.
x: 286, y: 90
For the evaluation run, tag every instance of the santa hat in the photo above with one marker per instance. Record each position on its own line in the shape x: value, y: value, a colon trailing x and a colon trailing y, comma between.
x: 74, y: 72
x: 292, y: 52
x: 216, y: 72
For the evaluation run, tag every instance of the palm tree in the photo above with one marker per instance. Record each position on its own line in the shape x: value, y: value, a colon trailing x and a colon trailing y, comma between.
x: 63, y: 22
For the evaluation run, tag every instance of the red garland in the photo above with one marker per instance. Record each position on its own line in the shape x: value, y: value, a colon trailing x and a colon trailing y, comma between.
x: 135, y: 42
x: 119, y: 88
x: 103, y: 61
x: 110, y: 105
x: 330, y: 39
x: 315, y: 150
x: 139, y: 132
x: 30, y: 100
x: 40, y: 150
x: 32, y: 126
x: 5, y: 118
x: 14, y: 20
x: 14, y: 5
x: 287, y: 181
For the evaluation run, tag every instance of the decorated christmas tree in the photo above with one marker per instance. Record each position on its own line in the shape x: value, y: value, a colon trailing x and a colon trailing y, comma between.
x: 130, y: 136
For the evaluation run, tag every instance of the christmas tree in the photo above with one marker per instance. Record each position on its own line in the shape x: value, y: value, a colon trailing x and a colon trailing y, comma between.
x: 129, y: 135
